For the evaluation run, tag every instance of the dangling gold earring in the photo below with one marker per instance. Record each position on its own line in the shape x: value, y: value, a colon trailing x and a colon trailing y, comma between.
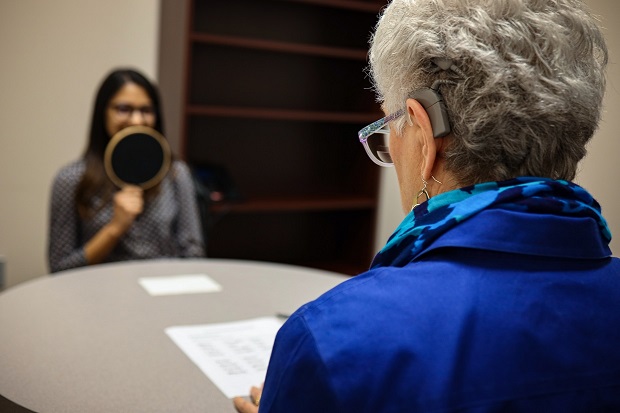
x: 424, y: 192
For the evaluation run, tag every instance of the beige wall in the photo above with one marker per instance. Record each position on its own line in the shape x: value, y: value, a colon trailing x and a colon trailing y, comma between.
x: 54, y: 54
x: 599, y: 172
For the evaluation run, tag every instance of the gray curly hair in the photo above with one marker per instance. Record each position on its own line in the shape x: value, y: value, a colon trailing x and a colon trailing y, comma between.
x: 528, y: 91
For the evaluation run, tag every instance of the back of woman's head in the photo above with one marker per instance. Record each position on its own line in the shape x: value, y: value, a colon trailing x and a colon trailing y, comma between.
x: 109, y: 87
x: 528, y: 89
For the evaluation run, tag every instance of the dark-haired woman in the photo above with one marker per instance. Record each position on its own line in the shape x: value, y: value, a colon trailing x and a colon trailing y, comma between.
x: 92, y: 221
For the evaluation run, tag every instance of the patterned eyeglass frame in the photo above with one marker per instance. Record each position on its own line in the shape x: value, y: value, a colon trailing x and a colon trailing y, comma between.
x: 378, y: 126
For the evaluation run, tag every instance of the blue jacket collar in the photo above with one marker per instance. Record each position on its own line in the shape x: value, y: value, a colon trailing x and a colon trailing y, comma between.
x: 526, y: 233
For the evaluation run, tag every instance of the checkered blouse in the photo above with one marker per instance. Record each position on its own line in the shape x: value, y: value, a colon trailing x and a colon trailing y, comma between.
x: 168, y: 227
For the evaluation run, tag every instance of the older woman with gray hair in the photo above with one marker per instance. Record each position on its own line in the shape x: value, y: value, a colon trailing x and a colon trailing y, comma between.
x: 498, y: 291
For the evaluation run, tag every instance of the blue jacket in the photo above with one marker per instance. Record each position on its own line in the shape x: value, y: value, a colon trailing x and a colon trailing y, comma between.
x: 506, y: 312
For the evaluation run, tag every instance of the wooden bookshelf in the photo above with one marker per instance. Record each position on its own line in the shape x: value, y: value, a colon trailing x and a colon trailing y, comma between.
x: 275, y: 92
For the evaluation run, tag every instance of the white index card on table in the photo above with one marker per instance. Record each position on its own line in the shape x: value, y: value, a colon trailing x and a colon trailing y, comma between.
x: 179, y: 284
x: 234, y: 356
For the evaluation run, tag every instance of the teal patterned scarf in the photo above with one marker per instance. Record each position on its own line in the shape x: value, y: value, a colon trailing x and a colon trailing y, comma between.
x: 442, y: 212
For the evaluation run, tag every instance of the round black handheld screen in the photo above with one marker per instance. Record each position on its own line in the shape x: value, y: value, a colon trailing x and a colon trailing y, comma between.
x: 137, y: 155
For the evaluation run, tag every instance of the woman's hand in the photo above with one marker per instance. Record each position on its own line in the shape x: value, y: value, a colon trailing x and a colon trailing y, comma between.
x: 128, y: 204
x: 244, y: 406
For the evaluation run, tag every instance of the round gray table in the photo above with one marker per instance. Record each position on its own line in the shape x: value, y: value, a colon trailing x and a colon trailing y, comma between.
x: 92, y: 339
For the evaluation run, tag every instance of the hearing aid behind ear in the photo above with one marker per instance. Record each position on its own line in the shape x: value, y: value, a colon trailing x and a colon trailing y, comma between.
x: 432, y: 101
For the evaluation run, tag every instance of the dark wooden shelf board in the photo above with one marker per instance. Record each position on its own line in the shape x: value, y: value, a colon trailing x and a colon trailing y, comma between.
x: 282, y: 47
x: 282, y: 114
x: 369, y: 6
x: 295, y: 204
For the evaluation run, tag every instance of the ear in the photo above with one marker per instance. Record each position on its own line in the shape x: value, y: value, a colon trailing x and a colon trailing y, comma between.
x: 418, y: 114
